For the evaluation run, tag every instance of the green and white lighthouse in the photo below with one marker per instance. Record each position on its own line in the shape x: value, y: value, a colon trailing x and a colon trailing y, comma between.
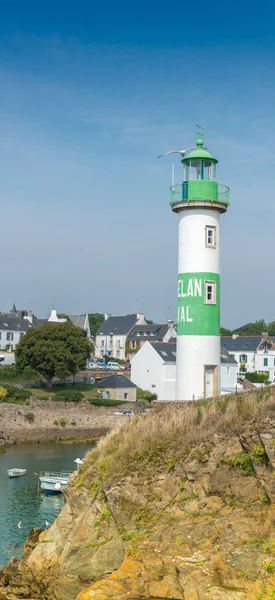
x: 199, y: 201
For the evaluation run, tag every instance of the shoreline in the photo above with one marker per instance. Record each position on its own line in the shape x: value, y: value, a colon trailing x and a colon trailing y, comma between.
x: 50, y: 421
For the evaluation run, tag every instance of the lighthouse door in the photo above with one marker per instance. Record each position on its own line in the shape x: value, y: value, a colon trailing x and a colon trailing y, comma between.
x: 209, y: 382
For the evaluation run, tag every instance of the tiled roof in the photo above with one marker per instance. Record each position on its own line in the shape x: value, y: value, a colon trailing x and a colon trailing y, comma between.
x: 148, y: 332
x: 246, y: 343
x: 117, y: 325
x: 116, y: 381
x: 15, y: 325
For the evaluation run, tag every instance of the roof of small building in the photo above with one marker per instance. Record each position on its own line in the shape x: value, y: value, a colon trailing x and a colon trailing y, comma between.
x: 148, y: 331
x: 227, y: 358
x: 117, y: 325
x: 168, y: 352
x: 15, y: 324
x: 78, y: 320
x: 39, y: 322
x: 116, y: 381
x: 247, y: 343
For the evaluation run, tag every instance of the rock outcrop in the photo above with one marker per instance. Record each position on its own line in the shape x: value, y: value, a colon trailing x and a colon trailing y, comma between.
x: 179, y: 504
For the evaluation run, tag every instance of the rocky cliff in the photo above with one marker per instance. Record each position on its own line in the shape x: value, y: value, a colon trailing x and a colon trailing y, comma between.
x: 177, y: 504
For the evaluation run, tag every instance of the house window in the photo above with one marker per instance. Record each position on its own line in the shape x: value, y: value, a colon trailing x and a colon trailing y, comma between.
x: 210, y: 292
x: 125, y: 395
x: 9, y: 348
x: 210, y: 237
x: 1, y: 335
x: 117, y: 343
x: 227, y: 370
x: 243, y: 358
x: 21, y: 335
x: 102, y: 343
x: 133, y: 344
x: 9, y: 336
x: 265, y: 362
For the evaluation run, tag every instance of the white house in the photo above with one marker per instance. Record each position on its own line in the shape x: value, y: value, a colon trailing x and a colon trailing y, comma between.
x: 152, y: 332
x: 252, y: 353
x: 153, y: 368
x: 11, y: 332
x: 112, y: 334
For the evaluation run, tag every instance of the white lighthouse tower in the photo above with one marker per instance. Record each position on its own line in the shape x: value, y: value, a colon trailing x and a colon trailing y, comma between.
x: 199, y: 201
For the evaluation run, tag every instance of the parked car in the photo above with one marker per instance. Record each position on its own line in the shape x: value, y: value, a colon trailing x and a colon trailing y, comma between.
x: 114, y: 366
x: 125, y: 413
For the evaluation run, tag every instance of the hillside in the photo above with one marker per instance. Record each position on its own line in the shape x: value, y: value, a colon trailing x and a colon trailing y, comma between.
x: 177, y: 504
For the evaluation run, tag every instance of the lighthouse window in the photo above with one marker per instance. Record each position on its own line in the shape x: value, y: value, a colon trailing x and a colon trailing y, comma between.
x: 210, y: 237
x: 210, y: 292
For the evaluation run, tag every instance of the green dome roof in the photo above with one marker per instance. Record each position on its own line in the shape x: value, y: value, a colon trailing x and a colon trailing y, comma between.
x: 199, y: 153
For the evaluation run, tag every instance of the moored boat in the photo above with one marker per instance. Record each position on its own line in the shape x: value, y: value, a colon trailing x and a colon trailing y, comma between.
x: 54, y: 483
x: 16, y: 472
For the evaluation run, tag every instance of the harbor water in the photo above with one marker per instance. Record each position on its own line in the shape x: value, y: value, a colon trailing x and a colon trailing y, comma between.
x: 20, y: 499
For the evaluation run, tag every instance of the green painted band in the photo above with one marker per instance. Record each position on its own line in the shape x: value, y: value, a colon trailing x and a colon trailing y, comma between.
x: 198, y: 304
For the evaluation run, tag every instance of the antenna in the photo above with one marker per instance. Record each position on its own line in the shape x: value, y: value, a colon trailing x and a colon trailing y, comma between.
x: 200, y: 131
x: 173, y: 174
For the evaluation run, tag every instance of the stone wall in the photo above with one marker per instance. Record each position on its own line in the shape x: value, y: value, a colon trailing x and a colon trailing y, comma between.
x: 81, y: 421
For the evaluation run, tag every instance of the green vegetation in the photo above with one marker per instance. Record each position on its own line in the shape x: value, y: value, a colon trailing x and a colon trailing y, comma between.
x: 145, y: 395
x: 11, y: 373
x: 68, y: 395
x: 172, y: 436
x: 2, y: 450
x: 3, y: 394
x: 256, y: 328
x: 107, y: 402
x: 29, y: 417
x: 244, y: 461
x: 257, y: 377
x: 54, y: 350
x: 62, y: 422
x: 95, y: 320
x: 15, y: 395
x: 270, y: 566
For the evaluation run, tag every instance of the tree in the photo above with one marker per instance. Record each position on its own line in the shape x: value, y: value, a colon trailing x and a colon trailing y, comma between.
x: 56, y: 349
x: 256, y: 328
x: 225, y: 331
x: 271, y: 328
x: 95, y: 320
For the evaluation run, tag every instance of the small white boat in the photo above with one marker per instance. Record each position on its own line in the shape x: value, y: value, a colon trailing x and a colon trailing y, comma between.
x: 16, y: 472
x: 78, y: 462
x: 54, y: 483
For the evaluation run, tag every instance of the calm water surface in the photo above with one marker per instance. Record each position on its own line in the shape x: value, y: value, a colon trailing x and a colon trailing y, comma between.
x: 19, y: 497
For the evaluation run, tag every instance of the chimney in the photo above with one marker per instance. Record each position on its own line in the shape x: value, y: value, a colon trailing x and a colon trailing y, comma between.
x: 106, y: 316
x: 170, y: 324
x: 29, y: 316
x: 140, y: 318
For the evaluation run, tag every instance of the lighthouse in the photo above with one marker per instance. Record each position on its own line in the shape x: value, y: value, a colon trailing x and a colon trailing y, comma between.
x: 199, y: 201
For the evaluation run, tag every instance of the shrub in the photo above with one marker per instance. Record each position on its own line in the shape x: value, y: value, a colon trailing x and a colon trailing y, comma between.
x: 62, y: 422
x: 11, y: 373
x: 16, y: 395
x: 106, y: 402
x: 2, y: 450
x: 3, y: 393
x: 257, y: 377
x: 73, y: 422
x: 56, y: 422
x: 69, y: 395
x: 145, y: 395
x: 29, y: 417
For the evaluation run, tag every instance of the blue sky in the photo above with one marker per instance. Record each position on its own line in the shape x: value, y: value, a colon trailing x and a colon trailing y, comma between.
x: 91, y: 94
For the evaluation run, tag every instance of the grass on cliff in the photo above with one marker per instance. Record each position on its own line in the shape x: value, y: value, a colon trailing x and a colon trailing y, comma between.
x: 261, y: 590
x: 166, y: 436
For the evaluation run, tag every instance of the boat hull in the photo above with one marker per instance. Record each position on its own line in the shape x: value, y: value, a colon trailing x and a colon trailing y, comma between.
x: 16, y: 472
x: 52, y: 485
